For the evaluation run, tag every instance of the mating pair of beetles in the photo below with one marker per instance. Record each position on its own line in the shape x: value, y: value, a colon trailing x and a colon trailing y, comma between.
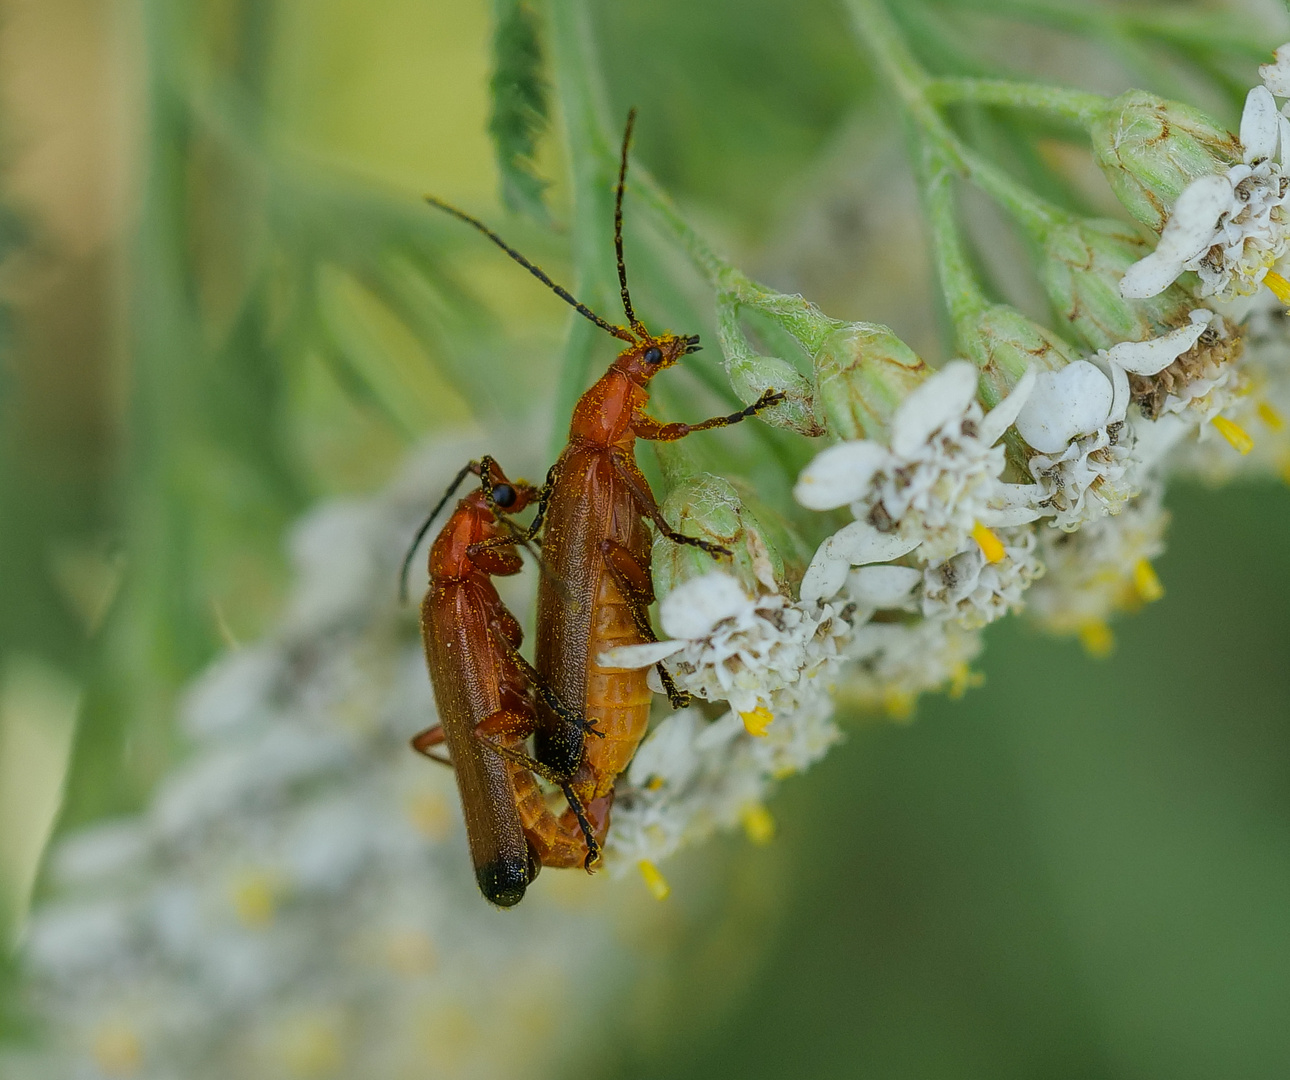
x: 594, y: 593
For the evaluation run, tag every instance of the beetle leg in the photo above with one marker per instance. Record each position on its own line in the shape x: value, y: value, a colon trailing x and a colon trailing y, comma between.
x: 432, y: 736
x: 485, y: 732
x: 630, y: 476
x: 646, y: 427
x: 589, y: 834
x: 549, y: 697
x: 634, y: 583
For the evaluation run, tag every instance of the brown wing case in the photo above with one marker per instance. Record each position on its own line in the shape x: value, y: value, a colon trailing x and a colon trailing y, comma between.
x: 460, y: 653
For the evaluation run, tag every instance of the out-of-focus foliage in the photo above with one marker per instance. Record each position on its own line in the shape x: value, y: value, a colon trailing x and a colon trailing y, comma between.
x: 519, y: 113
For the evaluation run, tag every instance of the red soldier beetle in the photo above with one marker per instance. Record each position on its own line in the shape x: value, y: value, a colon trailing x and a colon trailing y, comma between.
x: 596, y: 589
x: 484, y: 690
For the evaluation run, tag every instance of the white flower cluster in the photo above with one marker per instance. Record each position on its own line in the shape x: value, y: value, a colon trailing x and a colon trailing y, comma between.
x: 774, y: 662
x: 937, y: 479
x: 1090, y: 453
x: 298, y: 899
x: 1231, y: 228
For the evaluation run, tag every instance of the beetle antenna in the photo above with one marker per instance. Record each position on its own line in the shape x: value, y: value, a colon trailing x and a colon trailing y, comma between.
x: 637, y: 326
x: 425, y: 527
x: 619, y: 332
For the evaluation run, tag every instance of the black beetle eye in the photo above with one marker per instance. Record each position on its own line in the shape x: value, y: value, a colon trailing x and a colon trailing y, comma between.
x: 653, y: 355
x: 504, y: 496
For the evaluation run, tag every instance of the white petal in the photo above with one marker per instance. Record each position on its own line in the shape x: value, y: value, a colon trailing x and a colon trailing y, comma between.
x: 1259, y: 127
x: 883, y: 587
x: 839, y: 475
x: 1276, y: 76
x: 1010, y: 504
x: 860, y: 543
x: 825, y: 576
x: 1064, y: 404
x: 631, y: 657
x: 942, y: 398
x: 1150, y: 276
x: 1003, y: 415
x: 1189, y: 231
x: 1119, y: 394
x: 693, y: 608
x: 1153, y: 356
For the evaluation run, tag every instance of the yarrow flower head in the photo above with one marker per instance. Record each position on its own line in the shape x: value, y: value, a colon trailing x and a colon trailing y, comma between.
x: 751, y: 651
x: 1230, y: 226
x: 934, y: 477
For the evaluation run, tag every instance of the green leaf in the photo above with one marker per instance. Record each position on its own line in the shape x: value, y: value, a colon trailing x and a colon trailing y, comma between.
x: 520, y: 99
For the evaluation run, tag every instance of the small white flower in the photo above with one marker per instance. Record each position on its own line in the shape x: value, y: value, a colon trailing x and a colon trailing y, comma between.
x: 1103, y: 568
x: 1231, y: 227
x: 973, y: 591
x: 1075, y: 418
x: 1276, y: 76
x: 1087, y: 465
x: 897, y: 662
x: 728, y: 646
x: 936, y: 479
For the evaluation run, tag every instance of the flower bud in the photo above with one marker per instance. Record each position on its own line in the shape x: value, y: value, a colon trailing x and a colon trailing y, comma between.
x: 1083, y: 263
x: 751, y: 376
x: 863, y: 372
x: 1004, y: 345
x: 1150, y: 149
x: 709, y: 507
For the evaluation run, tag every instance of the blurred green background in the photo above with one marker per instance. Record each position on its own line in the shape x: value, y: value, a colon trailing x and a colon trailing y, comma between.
x: 225, y: 303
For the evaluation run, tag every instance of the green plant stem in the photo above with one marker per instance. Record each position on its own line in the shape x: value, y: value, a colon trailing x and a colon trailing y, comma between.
x: 963, y: 294
x: 1076, y: 105
x: 592, y: 163
x: 1178, y: 26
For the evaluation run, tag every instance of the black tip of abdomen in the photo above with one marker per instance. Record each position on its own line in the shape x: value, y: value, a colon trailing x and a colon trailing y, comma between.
x: 503, y: 882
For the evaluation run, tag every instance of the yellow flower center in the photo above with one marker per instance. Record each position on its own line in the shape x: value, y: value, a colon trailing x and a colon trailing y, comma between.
x: 1234, y: 433
x: 654, y: 881
x: 758, y: 824
x: 989, y: 543
x: 758, y: 721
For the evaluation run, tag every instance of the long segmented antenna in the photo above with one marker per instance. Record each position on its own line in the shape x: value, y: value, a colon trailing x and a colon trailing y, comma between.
x: 466, y: 470
x: 619, y: 332
x: 637, y: 326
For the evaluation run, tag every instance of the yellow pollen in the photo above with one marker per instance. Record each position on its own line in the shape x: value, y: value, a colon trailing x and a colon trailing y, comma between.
x: 758, y: 721
x: 1097, y: 639
x: 758, y: 824
x: 1234, y: 433
x: 1147, y: 582
x: 989, y: 543
x: 963, y: 679
x: 117, y: 1051
x: 255, y: 900
x: 1270, y: 416
x: 654, y: 783
x: 654, y: 881
x: 899, y: 704
x: 1279, y: 286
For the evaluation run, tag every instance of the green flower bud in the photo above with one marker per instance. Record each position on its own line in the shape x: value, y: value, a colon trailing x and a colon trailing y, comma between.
x: 751, y: 376
x: 1004, y: 344
x: 863, y: 372
x: 1082, y: 265
x: 709, y: 507
x: 1150, y: 149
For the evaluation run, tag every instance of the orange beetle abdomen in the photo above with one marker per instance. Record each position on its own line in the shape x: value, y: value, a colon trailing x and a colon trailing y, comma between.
x: 618, y: 700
